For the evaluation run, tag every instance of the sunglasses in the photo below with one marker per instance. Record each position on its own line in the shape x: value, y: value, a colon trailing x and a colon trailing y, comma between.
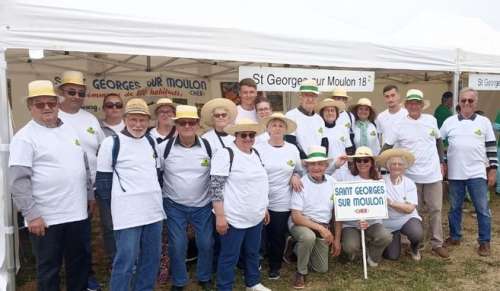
x: 363, y: 160
x: 188, y: 122
x: 249, y: 135
x: 220, y: 115
x: 467, y: 101
x: 81, y: 94
x: 41, y: 105
x: 117, y: 105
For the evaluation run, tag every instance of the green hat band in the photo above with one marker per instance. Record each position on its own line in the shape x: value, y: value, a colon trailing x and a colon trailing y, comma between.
x: 316, y: 155
x: 414, y: 97
x: 309, y: 88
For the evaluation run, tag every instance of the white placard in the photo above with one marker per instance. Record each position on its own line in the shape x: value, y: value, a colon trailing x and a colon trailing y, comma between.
x: 289, y: 79
x: 360, y: 200
x: 484, y: 82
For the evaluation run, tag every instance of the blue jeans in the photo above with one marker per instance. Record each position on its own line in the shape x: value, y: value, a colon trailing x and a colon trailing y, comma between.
x: 138, y: 247
x: 235, y: 240
x: 478, y: 191
x: 68, y: 241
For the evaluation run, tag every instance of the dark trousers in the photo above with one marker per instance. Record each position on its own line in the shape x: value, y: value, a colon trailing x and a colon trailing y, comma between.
x: 107, y: 226
x: 66, y: 241
x: 415, y: 233
x: 277, y: 231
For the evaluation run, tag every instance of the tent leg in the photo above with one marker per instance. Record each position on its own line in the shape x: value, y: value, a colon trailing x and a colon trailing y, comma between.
x: 456, y: 89
x: 7, y: 259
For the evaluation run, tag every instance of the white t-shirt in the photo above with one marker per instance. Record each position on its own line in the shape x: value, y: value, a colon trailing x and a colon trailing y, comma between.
x: 186, y: 174
x: 141, y: 203
x: 346, y: 120
x: 466, y: 146
x: 59, y: 182
x: 386, y: 122
x: 280, y: 163
x: 373, y: 142
x: 315, y: 200
x: 156, y: 135
x: 246, y: 188
x: 309, y: 130
x: 89, y: 133
x: 117, y: 127
x: 419, y: 137
x: 262, y: 138
x: 406, y: 191
x: 243, y: 113
x: 338, y: 141
x: 215, y: 142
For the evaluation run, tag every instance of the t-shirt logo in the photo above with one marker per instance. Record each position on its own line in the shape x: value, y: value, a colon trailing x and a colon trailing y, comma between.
x: 478, y: 132
x: 320, y: 130
x: 373, y: 133
x: 433, y: 133
x: 348, y: 124
x: 342, y: 139
x: 90, y: 130
x: 204, y: 163
x: 290, y: 163
x: 77, y: 142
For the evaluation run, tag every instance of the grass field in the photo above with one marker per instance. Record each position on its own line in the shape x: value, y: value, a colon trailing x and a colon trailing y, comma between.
x: 465, y: 270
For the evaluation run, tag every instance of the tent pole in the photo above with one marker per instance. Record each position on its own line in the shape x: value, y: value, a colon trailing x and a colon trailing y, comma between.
x: 456, y: 82
x: 7, y: 264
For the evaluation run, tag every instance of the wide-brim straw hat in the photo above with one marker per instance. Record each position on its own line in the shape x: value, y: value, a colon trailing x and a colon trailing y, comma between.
x: 329, y: 102
x: 40, y: 88
x: 243, y: 125
x: 163, y: 102
x: 362, y: 152
x: 390, y: 153
x: 417, y: 95
x: 137, y: 106
x: 309, y: 86
x: 209, y: 107
x: 186, y: 111
x: 340, y: 92
x: 291, y: 126
x: 362, y: 102
x: 316, y: 154
x: 72, y: 77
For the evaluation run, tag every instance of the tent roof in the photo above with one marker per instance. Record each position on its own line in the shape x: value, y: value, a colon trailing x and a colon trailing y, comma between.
x: 420, y: 35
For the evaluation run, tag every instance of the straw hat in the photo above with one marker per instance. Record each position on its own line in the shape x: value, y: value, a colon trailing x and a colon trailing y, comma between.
x: 162, y: 102
x: 291, y: 126
x: 329, y: 102
x: 401, y: 153
x: 186, y: 111
x: 362, y: 102
x: 244, y: 124
x: 316, y: 154
x: 209, y: 107
x: 340, y: 92
x: 137, y: 106
x: 362, y: 152
x: 40, y: 88
x: 417, y: 95
x: 72, y: 77
x: 309, y: 86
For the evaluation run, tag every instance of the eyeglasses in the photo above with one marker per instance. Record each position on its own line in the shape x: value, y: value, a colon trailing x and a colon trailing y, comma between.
x: 81, y: 94
x: 363, y: 160
x: 467, y: 101
x: 165, y: 112
x: 110, y: 105
x: 41, y: 105
x: 340, y: 98
x: 250, y: 135
x: 220, y: 115
x: 186, y: 122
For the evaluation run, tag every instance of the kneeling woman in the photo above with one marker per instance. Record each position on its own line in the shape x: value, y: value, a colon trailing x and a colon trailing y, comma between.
x: 377, y: 236
x: 402, y: 200
x: 239, y: 188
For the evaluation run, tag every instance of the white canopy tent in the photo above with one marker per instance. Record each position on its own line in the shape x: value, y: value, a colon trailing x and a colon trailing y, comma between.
x: 450, y: 36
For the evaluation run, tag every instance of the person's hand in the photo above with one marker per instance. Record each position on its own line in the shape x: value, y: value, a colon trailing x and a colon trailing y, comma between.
x: 336, y: 248
x: 444, y: 169
x: 296, y: 183
x: 389, y: 202
x: 363, y: 224
x: 37, y: 226
x: 340, y: 161
x: 267, y: 218
x: 221, y: 225
x: 91, y: 205
x: 492, y: 177
x: 326, y: 234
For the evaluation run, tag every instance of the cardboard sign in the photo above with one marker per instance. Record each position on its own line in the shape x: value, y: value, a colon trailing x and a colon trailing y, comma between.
x: 360, y: 200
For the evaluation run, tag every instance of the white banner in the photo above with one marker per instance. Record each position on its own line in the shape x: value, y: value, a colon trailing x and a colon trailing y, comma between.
x: 289, y: 79
x: 484, y: 82
x: 360, y: 200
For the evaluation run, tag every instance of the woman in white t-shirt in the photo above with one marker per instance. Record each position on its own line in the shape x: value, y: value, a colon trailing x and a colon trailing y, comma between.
x: 377, y: 236
x: 112, y: 106
x: 239, y: 188
x: 283, y: 166
x: 264, y: 109
x: 402, y: 200
x: 215, y: 115
x: 164, y: 110
x: 365, y: 131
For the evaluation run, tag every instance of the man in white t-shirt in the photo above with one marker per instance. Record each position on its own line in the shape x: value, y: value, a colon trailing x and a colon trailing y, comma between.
x: 247, y: 94
x: 471, y: 141
x: 419, y: 134
x: 128, y: 173
x: 387, y: 119
x: 50, y: 186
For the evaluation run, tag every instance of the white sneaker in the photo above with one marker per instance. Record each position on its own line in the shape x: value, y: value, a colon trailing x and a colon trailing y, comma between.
x: 258, y: 287
x: 370, y: 262
x: 416, y: 256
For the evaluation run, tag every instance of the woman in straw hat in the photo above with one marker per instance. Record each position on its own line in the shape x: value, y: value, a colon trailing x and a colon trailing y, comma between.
x: 217, y: 114
x: 283, y: 165
x: 239, y: 189
x: 312, y: 213
x: 402, y: 200
x: 264, y: 109
x: 377, y: 236
x: 164, y: 110
x: 365, y: 132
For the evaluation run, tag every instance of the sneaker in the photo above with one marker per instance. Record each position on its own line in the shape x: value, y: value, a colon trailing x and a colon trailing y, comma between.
x: 93, y: 285
x: 258, y: 287
x: 441, y: 252
x: 451, y: 242
x: 415, y: 255
x: 300, y: 281
x: 274, y: 274
x: 484, y: 249
x: 288, y: 256
x: 371, y: 262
